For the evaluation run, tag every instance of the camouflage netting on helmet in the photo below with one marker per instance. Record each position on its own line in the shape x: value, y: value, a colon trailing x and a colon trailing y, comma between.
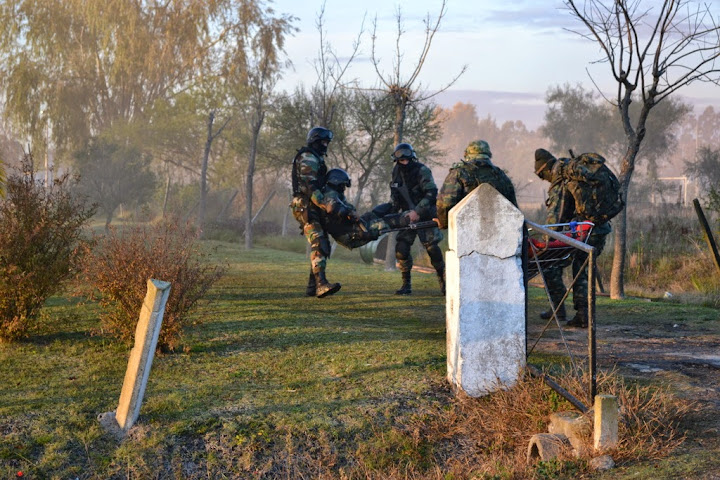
x: 478, y: 148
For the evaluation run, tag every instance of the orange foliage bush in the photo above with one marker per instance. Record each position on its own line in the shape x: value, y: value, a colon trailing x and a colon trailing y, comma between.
x: 40, y: 228
x: 121, y: 263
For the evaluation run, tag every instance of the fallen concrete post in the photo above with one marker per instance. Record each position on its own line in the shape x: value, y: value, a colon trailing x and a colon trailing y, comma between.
x: 546, y: 446
x: 141, y: 357
x: 575, y: 426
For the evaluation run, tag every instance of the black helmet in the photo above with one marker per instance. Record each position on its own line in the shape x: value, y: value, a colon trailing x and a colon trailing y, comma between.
x: 338, y: 178
x: 403, y: 150
x: 318, y: 133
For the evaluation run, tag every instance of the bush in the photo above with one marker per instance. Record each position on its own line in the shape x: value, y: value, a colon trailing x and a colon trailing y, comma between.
x: 40, y: 230
x: 121, y: 263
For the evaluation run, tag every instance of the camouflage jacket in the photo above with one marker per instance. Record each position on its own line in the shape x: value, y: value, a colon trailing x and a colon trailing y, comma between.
x: 334, y: 223
x: 421, y: 189
x: 464, y: 177
x: 309, y: 172
x: 561, y: 203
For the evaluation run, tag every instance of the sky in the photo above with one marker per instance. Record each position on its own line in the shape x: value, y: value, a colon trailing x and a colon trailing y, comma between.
x: 514, y: 50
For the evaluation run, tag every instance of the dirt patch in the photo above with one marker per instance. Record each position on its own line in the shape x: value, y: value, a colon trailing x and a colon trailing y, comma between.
x: 680, y: 349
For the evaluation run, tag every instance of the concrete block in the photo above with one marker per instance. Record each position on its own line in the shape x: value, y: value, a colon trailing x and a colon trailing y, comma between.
x: 606, y: 422
x: 546, y: 446
x: 602, y: 463
x: 485, y: 302
x: 575, y: 426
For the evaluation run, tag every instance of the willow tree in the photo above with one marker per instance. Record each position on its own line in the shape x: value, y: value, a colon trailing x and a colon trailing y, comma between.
x: 81, y: 68
x: 652, y: 50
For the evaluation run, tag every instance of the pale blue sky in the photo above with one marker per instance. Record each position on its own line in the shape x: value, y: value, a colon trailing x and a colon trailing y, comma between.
x: 519, y: 47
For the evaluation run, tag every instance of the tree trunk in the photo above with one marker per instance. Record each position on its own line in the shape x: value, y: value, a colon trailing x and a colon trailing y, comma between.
x: 249, y: 177
x: 617, y: 276
x: 203, y: 173
x: 108, y: 219
x: 167, y: 194
x: 397, y: 138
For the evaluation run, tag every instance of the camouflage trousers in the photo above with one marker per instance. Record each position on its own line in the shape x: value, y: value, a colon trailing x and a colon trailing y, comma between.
x: 430, y: 239
x: 554, y: 275
x: 356, y: 234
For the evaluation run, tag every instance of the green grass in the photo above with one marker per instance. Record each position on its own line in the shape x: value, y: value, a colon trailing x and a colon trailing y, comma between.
x: 269, y: 383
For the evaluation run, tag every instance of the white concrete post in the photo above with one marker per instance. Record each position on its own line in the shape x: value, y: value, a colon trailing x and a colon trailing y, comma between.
x: 485, y: 303
x: 606, y: 422
x: 141, y: 357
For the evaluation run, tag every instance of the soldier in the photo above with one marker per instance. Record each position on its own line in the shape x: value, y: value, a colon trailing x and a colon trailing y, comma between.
x: 475, y: 169
x: 346, y: 227
x: 413, y: 188
x: 563, y: 207
x: 309, y: 204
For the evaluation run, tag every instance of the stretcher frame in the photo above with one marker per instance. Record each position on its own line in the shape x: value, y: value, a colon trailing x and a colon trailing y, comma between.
x: 558, y: 252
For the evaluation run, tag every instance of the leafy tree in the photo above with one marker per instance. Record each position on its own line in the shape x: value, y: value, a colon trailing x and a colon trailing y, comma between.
x: 706, y: 168
x: 81, y: 68
x: 576, y: 119
x: 112, y: 174
x: 651, y: 53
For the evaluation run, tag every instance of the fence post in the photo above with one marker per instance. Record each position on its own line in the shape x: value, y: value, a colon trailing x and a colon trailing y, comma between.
x: 141, y: 357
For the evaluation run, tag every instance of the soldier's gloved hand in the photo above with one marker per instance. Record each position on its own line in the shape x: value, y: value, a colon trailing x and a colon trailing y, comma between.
x: 412, y: 215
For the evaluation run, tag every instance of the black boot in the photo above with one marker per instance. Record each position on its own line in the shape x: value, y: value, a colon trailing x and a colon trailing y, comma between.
x: 310, y: 289
x: 441, y: 279
x: 406, y: 288
x: 561, y: 314
x: 580, y: 319
x: 323, y: 287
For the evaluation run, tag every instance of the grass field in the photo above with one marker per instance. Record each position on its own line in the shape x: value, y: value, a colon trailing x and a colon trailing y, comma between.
x: 272, y: 384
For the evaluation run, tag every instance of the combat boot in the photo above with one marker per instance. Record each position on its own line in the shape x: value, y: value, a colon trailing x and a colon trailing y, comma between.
x: 441, y: 280
x: 579, y: 320
x: 406, y: 288
x: 310, y: 289
x: 561, y: 314
x: 323, y: 287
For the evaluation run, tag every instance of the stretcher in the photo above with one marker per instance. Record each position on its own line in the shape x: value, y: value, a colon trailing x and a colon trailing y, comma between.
x: 546, y: 252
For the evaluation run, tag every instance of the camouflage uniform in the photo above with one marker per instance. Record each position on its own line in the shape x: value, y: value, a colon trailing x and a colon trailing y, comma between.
x: 422, y: 191
x: 561, y: 209
x: 475, y: 169
x: 309, y: 204
x: 349, y: 230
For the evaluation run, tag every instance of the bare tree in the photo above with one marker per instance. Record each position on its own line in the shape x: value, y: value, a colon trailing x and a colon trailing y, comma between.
x: 404, y: 90
x: 652, y: 53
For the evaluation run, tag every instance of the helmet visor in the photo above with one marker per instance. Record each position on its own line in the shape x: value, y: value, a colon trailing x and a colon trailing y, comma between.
x: 403, y: 153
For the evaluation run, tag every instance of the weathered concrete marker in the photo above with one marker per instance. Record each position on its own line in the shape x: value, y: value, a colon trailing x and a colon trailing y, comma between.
x: 606, y: 422
x: 485, y: 303
x: 141, y: 357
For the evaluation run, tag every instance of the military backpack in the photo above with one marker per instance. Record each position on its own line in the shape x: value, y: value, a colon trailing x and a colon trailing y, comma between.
x: 594, y: 187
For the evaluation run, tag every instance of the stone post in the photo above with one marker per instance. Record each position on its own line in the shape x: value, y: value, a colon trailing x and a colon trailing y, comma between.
x: 606, y: 422
x: 485, y: 304
x: 141, y: 357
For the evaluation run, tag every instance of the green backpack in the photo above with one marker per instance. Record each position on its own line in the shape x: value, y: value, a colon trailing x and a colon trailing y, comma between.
x: 594, y: 187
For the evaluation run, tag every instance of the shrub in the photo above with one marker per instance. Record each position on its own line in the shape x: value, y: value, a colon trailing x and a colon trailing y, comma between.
x: 40, y: 230
x: 121, y: 263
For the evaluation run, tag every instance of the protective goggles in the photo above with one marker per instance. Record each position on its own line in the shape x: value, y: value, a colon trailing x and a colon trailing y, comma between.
x: 403, y: 153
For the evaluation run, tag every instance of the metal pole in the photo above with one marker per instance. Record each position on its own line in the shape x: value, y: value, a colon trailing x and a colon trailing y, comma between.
x: 591, y: 325
x: 708, y: 232
x: 555, y: 386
